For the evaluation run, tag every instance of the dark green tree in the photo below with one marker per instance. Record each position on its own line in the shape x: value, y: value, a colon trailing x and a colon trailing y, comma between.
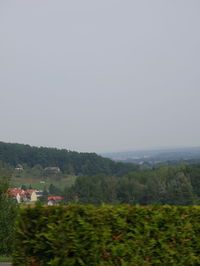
x: 8, y: 212
x: 24, y: 187
x: 54, y: 191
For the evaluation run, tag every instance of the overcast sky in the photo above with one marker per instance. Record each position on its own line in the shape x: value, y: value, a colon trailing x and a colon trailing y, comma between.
x: 100, y: 76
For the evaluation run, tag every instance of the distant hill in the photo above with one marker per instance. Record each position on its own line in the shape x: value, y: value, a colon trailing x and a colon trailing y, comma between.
x: 156, y: 155
x: 70, y: 162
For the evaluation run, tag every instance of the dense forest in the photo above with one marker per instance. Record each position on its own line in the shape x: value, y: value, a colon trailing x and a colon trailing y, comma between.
x: 8, y: 213
x: 174, y: 185
x: 100, y: 180
x: 70, y: 162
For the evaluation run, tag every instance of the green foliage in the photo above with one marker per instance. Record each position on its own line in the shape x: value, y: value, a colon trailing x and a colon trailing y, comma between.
x: 54, y: 191
x: 44, y: 197
x: 69, y: 162
x: 194, y: 171
x: 41, y: 183
x: 8, y: 212
x: 5, y: 259
x: 107, y: 235
x: 163, y: 185
x: 24, y: 187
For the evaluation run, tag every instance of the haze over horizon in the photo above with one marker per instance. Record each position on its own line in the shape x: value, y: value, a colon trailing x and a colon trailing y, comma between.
x: 100, y: 76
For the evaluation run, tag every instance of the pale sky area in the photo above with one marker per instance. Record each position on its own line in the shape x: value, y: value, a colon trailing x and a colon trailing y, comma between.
x: 100, y: 76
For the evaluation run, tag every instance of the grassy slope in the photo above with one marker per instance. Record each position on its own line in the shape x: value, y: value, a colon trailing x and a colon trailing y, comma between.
x: 60, y: 183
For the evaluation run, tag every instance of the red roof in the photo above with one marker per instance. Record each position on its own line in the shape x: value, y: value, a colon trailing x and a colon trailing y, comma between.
x: 55, y: 198
x: 15, y: 191
x: 30, y: 191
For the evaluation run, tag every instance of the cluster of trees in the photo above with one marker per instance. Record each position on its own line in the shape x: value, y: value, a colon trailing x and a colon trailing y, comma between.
x: 70, y: 162
x: 103, y: 180
x: 8, y: 213
x: 99, y: 180
x: 175, y: 185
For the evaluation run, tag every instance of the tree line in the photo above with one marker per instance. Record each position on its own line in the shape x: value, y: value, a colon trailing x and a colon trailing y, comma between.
x: 8, y: 213
x: 103, y: 180
x: 70, y: 162
x: 173, y: 185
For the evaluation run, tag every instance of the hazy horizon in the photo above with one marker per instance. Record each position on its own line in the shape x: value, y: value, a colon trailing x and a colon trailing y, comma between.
x: 161, y: 148
x: 100, y: 76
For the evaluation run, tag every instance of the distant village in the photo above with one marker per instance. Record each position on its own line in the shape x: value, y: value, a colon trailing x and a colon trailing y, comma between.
x: 30, y: 196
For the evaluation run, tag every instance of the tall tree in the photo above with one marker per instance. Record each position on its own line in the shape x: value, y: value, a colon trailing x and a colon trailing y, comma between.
x: 8, y: 212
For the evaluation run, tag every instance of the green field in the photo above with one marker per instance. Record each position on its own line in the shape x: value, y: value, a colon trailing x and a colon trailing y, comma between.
x: 5, y: 259
x: 43, y: 183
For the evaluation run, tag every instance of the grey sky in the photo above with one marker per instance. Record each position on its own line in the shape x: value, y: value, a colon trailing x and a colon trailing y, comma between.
x: 102, y: 75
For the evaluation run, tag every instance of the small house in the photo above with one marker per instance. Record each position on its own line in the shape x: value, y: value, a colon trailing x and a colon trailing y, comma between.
x: 54, y: 200
x: 17, y: 193
x: 33, y: 195
x: 19, y: 167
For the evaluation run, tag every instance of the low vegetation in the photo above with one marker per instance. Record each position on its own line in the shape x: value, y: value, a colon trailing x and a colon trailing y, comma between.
x: 8, y: 213
x: 42, y: 183
x: 98, y: 234
x: 107, y: 235
x: 5, y: 259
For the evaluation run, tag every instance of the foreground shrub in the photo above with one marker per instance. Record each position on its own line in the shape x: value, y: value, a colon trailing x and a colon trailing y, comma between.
x: 108, y: 235
x: 8, y: 213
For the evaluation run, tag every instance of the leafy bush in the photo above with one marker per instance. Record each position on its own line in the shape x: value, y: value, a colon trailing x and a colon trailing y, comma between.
x: 8, y: 213
x: 108, y: 235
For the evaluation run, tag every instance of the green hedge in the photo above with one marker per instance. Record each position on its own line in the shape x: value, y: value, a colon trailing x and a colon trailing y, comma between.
x: 8, y: 214
x: 108, y: 235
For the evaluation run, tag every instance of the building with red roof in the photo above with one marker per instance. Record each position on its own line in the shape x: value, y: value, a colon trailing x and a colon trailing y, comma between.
x: 53, y: 200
